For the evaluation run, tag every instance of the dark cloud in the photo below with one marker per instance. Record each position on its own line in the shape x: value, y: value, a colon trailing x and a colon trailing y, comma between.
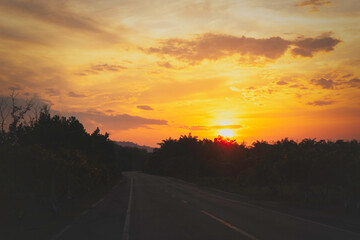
x: 109, y: 111
x: 145, y: 107
x: 107, y: 67
x: 215, y: 46
x: 281, y: 83
x: 300, y: 86
x: 355, y: 82
x: 347, y: 75
x: 95, y: 69
x: 81, y: 74
x: 115, y: 121
x: 322, y: 82
x: 75, y: 95
x: 321, y: 103
x: 306, y: 47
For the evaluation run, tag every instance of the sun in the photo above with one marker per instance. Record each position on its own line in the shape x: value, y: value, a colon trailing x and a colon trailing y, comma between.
x: 226, y: 133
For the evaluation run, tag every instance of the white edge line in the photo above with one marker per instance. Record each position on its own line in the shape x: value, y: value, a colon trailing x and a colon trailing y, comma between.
x: 97, y: 203
x: 60, y: 233
x: 230, y: 225
x: 280, y: 213
x: 68, y: 226
x: 126, y: 231
x: 295, y: 217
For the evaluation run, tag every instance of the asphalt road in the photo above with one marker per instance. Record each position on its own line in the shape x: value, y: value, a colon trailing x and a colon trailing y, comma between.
x: 165, y: 208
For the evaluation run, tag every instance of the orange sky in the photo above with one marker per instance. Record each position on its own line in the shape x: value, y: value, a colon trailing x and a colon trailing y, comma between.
x: 148, y: 70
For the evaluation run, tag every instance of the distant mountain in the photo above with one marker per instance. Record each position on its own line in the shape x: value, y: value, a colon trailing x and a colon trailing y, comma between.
x: 134, y: 145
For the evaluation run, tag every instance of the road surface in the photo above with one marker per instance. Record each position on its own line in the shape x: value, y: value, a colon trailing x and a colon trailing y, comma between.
x: 153, y: 207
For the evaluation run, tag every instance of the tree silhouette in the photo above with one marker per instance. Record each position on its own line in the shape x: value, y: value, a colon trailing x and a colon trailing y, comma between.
x: 318, y: 172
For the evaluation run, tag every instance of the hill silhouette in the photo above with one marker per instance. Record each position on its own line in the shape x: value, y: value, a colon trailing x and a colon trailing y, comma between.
x: 134, y: 145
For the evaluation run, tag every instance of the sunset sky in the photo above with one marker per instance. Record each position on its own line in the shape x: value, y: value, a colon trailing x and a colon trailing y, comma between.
x: 148, y: 70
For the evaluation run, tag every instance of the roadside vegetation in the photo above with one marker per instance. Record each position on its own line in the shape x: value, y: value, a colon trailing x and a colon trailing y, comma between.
x: 310, y: 172
x: 51, y: 169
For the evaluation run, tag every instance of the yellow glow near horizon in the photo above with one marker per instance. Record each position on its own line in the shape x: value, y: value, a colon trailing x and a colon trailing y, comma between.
x: 226, y: 133
x: 225, y: 123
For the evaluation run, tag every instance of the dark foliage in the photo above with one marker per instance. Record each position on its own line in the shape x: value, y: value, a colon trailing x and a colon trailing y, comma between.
x: 53, y: 159
x: 315, y: 171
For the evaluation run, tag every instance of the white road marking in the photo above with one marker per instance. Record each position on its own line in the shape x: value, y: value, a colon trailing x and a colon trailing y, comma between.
x: 230, y: 225
x: 95, y: 204
x: 60, y: 233
x: 275, y: 211
x: 126, y: 232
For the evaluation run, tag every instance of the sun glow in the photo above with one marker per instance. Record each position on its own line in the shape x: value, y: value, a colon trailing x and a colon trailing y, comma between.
x: 226, y: 133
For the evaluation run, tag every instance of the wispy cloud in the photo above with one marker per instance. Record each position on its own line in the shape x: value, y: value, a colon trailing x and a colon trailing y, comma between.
x: 52, y: 92
x: 107, y: 67
x: 54, y: 12
x: 145, y: 107
x: 321, y: 102
x: 75, y: 95
x: 7, y: 33
x: 281, y: 83
x: 314, y: 4
x: 98, y: 68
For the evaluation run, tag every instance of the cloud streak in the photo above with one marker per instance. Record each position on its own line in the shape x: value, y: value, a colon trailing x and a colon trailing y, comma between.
x: 75, y: 95
x: 11, y: 34
x: 313, y: 3
x: 211, y: 46
x: 145, y: 107
x: 320, y: 103
x: 54, y: 12
x: 107, y: 67
x: 99, y: 68
x: 214, y: 127
x: 117, y: 121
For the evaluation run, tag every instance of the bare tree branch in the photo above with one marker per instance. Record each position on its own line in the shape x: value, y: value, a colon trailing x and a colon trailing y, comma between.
x: 4, y: 112
x: 17, y: 111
